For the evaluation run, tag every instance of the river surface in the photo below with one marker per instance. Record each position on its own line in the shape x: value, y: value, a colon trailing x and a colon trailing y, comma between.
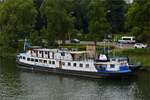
x: 18, y: 84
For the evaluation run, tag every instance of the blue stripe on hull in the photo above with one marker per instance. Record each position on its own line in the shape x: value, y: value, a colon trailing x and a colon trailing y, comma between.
x: 126, y: 71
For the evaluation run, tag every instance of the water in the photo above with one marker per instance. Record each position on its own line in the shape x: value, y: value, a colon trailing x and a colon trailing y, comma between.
x: 26, y: 85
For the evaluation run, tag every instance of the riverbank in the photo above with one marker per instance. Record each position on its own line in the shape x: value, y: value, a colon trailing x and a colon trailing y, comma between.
x: 135, y: 55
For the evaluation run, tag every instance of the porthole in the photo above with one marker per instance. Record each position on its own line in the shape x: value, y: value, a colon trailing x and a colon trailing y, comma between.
x: 53, y: 62
x: 36, y: 60
x: 28, y: 59
x: 87, y: 65
x: 81, y: 65
x: 50, y: 62
x: 45, y: 61
x: 24, y: 58
x: 69, y: 64
x: 32, y: 59
x: 74, y: 64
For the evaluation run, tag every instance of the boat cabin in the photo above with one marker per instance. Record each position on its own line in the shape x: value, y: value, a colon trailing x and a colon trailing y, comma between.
x: 41, y: 53
x: 121, y: 60
x: 58, y: 54
x: 79, y: 55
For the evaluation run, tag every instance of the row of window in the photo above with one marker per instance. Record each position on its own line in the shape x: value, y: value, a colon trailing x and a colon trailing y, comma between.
x: 53, y: 62
x: 75, y: 65
x: 22, y: 57
x: 46, y: 52
x: 37, y: 60
x: 105, y: 66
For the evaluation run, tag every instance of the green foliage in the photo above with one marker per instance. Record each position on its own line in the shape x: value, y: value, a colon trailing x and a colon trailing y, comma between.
x: 98, y: 25
x: 53, y: 20
x: 138, y: 19
x: 116, y: 14
x: 59, y: 22
x: 80, y: 10
x: 35, y: 39
x: 17, y: 19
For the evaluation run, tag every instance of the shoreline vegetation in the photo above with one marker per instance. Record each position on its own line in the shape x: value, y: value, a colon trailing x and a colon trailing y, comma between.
x: 135, y: 55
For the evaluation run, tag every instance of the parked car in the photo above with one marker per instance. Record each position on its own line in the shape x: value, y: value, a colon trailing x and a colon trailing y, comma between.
x: 140, y: 45
x: 75, y: 41
x: 127, y: 39
x: 107, y: 40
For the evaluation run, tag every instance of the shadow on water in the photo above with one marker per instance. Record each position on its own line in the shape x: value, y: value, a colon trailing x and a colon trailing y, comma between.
x: 8, y: 79
x: 26, y: 85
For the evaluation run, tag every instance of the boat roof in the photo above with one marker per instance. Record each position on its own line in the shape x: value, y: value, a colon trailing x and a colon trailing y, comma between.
x: 45, y: 49
x: 61, y: 50
x: 78, y: 52
x: 107, y: 62
x: 119, y: 58
x: 128, y: 37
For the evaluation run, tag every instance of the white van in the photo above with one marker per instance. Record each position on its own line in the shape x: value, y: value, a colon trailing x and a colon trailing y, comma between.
x: 127, y: 39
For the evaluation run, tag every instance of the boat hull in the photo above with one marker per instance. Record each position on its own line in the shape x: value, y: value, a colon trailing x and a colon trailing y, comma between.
x: 72, y: 72
x: 135, y: 67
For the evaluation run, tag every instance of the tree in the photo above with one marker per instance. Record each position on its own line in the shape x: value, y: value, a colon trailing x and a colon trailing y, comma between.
x: 40, y: 21
x: 116, y: 14
x: 138, y: 18
x: 80, y: 9
x: 98, y: 26
x: 17, y: 20
x: 59, y: 21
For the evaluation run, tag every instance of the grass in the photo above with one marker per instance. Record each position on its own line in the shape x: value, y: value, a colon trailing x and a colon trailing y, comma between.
x: 135, y: 55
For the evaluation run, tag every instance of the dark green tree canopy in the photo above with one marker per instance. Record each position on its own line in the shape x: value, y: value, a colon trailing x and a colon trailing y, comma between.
x: 98, y: 25
x: 138, y: 19
x: 115, y: 14
x: 17, y: 19
x: 59, y: 21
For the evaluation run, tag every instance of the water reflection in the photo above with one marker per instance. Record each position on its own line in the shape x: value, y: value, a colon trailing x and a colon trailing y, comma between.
x: 26, y: 85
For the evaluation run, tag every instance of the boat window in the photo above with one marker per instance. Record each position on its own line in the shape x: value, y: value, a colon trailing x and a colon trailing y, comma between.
x: 28, y: 59
x: 74, y: 64
x: 104, y: 65
x: 126, y: 38
x: 53, y: 62
x: 24, y: 58
x: 45, y: 52
x: 45, y: 61
x: 87, y: 65
x: 119, y: 60
x: 32, y: 59
x: 20, y: 57
x: 81, y: 65
x: 113, y: 59
x: 69, y: 64
x: 112, y: 66
x: 40, y: 60
x: 40, y: 51
x: 50, y: 62
x: 62, y: 53
x: 36, y: 60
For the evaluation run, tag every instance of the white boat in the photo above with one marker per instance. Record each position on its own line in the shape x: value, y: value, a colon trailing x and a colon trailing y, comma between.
x: 63, y: 61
